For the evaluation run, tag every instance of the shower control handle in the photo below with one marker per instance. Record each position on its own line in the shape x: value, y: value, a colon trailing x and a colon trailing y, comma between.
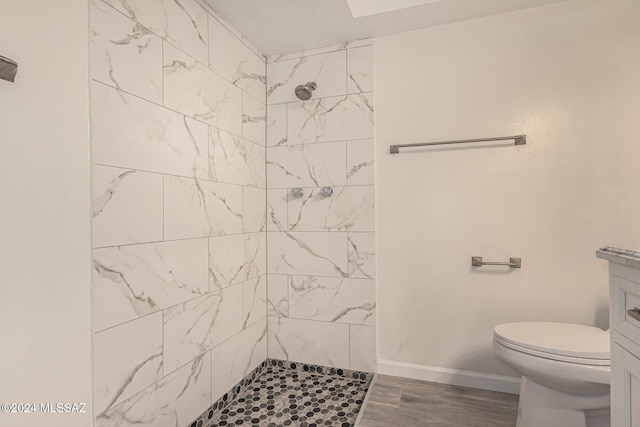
x: 634, y: 313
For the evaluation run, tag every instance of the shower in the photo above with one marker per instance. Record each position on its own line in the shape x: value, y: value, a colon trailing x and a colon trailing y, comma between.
x: 304, y: 92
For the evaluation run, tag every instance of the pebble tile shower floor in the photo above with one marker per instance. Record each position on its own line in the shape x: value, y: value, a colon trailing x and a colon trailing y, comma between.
x: 289, y: 394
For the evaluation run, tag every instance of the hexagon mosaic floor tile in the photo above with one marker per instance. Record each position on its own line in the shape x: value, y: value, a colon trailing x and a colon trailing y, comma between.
x: 297, y: 395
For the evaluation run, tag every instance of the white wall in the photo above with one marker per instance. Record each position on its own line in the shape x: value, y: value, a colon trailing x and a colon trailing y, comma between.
x: 565, y: 75
x: 44, y: 211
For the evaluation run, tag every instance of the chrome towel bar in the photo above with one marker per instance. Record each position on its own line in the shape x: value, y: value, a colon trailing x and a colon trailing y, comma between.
x: 518, y: 139
x: 476, y: 261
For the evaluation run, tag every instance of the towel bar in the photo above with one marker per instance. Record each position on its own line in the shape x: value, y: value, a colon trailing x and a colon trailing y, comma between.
x: 476, y: 261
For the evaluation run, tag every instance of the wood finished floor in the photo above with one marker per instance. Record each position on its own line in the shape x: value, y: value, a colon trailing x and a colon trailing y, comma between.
x: 401, y: 402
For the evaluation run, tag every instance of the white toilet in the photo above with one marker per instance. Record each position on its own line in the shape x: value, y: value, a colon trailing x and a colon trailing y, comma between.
x: 565, y: 372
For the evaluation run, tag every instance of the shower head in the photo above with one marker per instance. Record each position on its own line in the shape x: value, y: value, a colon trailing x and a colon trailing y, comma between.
x: 303, y: 92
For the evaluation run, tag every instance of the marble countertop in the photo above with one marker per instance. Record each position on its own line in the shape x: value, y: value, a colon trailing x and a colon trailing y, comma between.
x: 626, y: 257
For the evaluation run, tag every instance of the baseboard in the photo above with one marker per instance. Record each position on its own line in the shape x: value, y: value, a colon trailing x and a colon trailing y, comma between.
x: 457, y: 377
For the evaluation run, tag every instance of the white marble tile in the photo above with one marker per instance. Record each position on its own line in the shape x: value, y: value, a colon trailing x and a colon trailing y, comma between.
x: 236, y: 33
x: 328, y: 71
x: 254, y: 296
x: 194, y: 90
x: 332, y: 299
x: 277, y: 209
x: 236, y: 258
x: 237, y: 357
x: 175, y: 400
x: 196, y: 208
x: 348, y: 209
x: 127, y: 206
x: 254, y: 209
x: 321, y: 50
x: 359, y: 43
x: 125, y: 54
x: 129, y: 132
x: 312, y: 165
x: 319, y: 343
x: 360, y: 69
x: 127, y: 359
x: 181, y: 22
x: 330, y: 119
x: 135, y: 280
x: 307, y: 253
x: 362, y: 255
x: 277, y: 295
x: 300, y: 54
x: 192, y: 328
x: 235, y: 61
x: 360, y: 162
x: 254, y: 119
x: 276, y: 125
x: 362, y: 348
x: 235, y: 160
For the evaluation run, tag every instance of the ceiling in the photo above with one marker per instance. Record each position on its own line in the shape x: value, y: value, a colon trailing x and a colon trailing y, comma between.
x: 287, y: 26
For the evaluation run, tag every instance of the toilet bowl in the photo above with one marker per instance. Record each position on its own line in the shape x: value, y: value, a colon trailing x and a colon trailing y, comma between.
x: 565, y: 372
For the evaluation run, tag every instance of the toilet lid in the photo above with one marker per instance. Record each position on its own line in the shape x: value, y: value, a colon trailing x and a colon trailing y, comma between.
x: 563, y: 339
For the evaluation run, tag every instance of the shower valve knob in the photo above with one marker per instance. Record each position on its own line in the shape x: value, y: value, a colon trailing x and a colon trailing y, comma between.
x: 326, y: 191
x: 296, y: 193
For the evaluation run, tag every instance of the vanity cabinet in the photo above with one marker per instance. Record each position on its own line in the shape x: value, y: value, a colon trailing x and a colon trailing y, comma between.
x: 624, y: 314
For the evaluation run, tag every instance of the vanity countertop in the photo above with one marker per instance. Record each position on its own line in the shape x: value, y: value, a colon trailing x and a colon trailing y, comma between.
x: 626, y: 257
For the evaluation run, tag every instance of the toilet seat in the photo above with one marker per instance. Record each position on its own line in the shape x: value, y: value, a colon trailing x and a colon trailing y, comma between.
x: 578, y: 344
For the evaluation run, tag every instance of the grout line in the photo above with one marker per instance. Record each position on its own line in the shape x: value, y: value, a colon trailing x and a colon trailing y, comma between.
x: 173, y: 240
x: 346, y: 163
x: 311, y: 144
x: 320, y: 186
x: 131, y: 320
x: 236, y: 234
x: 163, y: 210
x: 162, y: 71
x: 329, y: 49
x: 163, y: 346
x: 242, y: 208
x: 242, y: 114
x: 346, y: 71
x: 178, y: 176
x: 209, y: 158
x: 164, y: 107
x: 288, y: 296
x: 347, y: 264
x: 207, y: 294
x: 351, y: 95
x: 323, y: 277
x: 349, y: 345
x: 208, y: 39
x: 286, y: 224
x: 242, y: 313
x: 209, y: 266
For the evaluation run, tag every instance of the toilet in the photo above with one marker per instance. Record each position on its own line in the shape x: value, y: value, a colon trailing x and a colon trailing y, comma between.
x: 565, y: 372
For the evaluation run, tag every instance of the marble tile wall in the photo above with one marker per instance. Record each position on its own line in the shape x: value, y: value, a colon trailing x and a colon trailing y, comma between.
x: 321, y: 250
x: 178, y: 130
